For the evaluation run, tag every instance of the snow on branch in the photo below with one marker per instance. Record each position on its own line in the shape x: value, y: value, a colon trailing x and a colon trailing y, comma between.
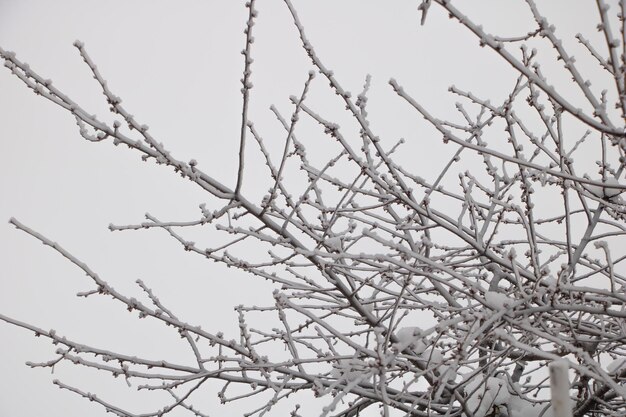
x: 442, y: 293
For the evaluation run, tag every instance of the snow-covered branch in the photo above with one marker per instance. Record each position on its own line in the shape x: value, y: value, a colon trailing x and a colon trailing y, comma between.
x: 423, y: 294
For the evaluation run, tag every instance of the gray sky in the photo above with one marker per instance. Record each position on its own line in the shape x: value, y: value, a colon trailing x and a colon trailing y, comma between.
x: 177, y: 67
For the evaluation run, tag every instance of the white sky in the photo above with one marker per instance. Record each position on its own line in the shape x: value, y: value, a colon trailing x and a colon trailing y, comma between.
x: 177, y: 67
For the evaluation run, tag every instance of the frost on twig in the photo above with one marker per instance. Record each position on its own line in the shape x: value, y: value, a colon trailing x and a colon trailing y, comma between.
x: 423, y: 294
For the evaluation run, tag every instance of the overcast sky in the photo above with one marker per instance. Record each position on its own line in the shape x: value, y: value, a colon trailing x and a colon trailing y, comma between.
x: 177, y: 67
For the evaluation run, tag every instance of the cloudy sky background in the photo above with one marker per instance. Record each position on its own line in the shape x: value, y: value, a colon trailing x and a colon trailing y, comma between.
x: 177, y: 67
